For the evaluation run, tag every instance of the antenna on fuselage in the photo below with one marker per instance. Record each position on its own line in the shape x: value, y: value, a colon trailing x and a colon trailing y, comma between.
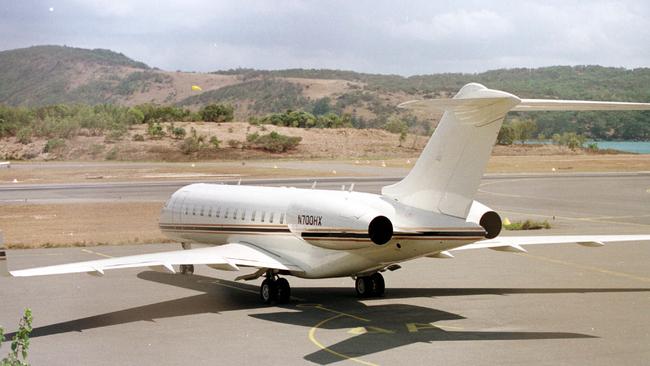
x: 343, y: 187
x: 313, y: 186
x: 239, y: 182
x: 351, y: 187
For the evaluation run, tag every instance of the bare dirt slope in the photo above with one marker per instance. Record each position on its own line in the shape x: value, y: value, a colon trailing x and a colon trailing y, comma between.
x: 316, y: 143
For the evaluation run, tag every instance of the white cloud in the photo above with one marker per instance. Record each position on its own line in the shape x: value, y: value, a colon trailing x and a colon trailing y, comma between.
x: 375, y: 36
x: 461, y: 24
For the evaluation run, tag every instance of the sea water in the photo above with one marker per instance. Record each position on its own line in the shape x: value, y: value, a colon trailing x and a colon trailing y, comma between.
x: 638, y: 147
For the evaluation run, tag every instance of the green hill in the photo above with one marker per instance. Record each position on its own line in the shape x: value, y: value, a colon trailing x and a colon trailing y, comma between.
x: 45, y: 75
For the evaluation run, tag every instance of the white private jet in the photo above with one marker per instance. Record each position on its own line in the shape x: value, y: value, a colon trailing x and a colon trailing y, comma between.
x: 312, y: 233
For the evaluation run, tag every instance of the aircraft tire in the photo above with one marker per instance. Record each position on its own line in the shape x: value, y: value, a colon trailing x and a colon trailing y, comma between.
x: 284, y: 291
x: 378, y: 284
x: 363, y: 286
x: 187, y: 269
x: 268, y: 291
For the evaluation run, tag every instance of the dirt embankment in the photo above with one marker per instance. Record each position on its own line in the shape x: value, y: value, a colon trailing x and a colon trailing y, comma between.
x: 315, y: 144
x: 343, y: 143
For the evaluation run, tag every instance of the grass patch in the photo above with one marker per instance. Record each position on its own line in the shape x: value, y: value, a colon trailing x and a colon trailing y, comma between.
x: 528, y: 225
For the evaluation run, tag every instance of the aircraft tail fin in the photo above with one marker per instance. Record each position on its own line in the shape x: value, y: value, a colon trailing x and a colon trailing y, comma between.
x: 449, y: 170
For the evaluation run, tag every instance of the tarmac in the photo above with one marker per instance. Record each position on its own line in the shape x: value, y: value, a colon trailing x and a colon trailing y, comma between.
x: 556, y: 304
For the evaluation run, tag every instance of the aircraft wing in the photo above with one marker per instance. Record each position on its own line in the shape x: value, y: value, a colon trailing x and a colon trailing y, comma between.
x: 515, y: 243
x: 226, y: 257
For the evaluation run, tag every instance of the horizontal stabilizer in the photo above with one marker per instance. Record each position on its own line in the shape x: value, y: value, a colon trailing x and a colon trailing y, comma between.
x: 532, y: 105
x: 525, y: 105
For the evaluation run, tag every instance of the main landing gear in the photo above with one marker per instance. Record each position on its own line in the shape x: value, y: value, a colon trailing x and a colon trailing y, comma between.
x: 186, y: 269
x: 275, y: 289
x: 370, y: 286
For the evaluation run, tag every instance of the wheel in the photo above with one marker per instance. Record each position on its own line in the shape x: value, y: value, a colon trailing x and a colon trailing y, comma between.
x: 363, y: 286
x: 378, y: 284
x: 284, y: 290
x: 268, y: 291
x: 187, y: 269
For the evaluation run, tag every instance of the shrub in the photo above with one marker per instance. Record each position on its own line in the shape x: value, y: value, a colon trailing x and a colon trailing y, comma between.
x: 190, y: 145
x: 592, y: 146
x: 214, y: 141
x: 96, y: 149
x: 54, y: 145
x: 135, y: 115
x: 178, y: 132
x: 138, y: 137
x: 395, y: 125
x: 252, y: 137
x: 24, y: 135
x: 528, y: 225
x: 155, y: 130
x: 112, y: 155
x: 273, y: 142
x: 20, y: 343
x: 115, y: 135
x: 217, y: 113
x: 234, y: 143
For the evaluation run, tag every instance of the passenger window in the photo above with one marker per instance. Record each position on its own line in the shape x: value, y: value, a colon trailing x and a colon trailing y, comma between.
x: 210, y: 212
x: 201, y: 210
x: 282, y: 218
x: 271, y: 218
x: 218, y: 212
x: 262, y: 216
x: 225, y: 215
x: 243, y: 215
x: 234, y: 215
x: 193, y: 211
x: 186, y: 210
x: 253, y: 215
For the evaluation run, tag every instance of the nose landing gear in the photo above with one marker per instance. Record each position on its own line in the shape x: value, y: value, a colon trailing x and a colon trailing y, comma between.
x: 275, y: 289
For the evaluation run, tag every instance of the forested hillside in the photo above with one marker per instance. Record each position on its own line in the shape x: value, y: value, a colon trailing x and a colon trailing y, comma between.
x: 45, y: 75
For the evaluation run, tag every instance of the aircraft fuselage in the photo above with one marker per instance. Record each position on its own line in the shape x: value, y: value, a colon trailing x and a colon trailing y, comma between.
x: 327, y: 233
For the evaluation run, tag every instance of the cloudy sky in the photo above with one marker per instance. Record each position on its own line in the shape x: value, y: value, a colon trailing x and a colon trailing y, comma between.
x: 405, y: 37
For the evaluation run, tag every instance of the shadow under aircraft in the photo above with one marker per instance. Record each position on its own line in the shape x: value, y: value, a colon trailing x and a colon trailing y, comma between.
x: 379, y: 327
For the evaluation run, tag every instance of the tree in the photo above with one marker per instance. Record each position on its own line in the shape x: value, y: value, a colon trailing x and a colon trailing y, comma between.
x: 395, y: 125
x: 524, y: 129
x: 402, y: 138
x: 506, y: 135
x: 217, y: 113
x: 321, y: 106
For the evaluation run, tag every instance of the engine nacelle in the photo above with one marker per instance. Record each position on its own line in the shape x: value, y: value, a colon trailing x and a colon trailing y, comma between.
x: 335, y: 225
x: 380, y: 230
x: 487, y: 218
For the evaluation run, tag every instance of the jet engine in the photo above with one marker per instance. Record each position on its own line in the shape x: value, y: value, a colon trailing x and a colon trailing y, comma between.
x: 340, y: 225
x: 486, y: 217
